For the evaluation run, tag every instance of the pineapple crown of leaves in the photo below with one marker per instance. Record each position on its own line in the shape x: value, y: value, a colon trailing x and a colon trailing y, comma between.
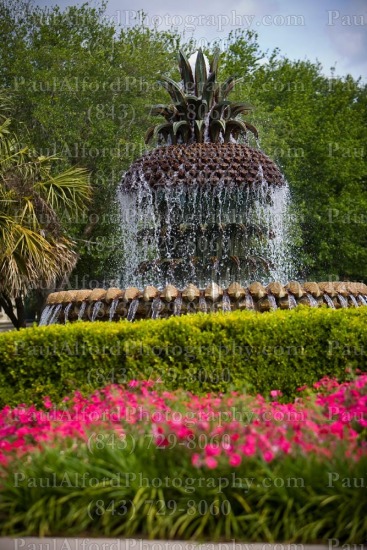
x: 200, y: 111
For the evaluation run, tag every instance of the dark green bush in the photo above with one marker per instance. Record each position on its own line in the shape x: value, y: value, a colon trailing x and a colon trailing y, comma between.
x: 242, y: 351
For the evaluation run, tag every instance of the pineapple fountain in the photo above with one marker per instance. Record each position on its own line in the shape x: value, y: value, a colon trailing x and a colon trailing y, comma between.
x: 205, y: 218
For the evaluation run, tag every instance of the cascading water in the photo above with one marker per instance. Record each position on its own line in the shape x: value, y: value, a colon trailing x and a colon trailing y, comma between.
x: 226, y: 303
x: 82, y: 310
x: 177, y: 306
x: 55, y: 314
x: 342, y: 301
x: 249, y: 301
x: 353, y: 300
x: 132, y: 310
x: 113, y: 308
x: 312, y: 301
x: 46, y: 315
x: 66, y: 312
x: 156, y: 307
x: 272, y: 301
x: 291, y: 301
x: 202, y: 234
x: 329, y: 301
x: 96, y: 309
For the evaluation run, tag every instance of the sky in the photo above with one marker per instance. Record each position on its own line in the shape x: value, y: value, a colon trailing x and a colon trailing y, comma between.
x: 334, y: 32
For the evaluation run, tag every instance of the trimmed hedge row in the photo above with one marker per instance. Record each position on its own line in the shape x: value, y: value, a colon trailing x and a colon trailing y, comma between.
x: 243, y: 351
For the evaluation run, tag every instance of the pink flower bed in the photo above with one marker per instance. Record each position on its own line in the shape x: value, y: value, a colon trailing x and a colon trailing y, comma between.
x: 215, y: 430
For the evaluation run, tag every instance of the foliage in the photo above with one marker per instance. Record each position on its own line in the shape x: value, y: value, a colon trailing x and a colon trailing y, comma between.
x: 314, y: 126
x: 139, y: 461
x: 83, y: 87
x: 34, y: 249
x: 246, y: 351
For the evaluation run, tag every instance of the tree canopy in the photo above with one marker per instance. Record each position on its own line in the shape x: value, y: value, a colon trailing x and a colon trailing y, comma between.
x: 83, y: 87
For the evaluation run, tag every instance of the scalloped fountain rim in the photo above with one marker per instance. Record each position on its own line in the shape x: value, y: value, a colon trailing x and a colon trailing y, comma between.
x: 132, y: 303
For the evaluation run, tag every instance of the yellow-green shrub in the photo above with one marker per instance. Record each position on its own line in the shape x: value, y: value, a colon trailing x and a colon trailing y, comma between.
x: 243, y: 351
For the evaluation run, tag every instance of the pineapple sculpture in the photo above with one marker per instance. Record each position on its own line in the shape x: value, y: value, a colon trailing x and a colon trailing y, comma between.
x: 199, y: 207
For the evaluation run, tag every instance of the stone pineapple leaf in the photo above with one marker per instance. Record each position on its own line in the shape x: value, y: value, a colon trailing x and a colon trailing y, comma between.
x: 185, y: 129
x: 173, y: 89
x: 186, y: 72
x: 163, y: 130
x: 217, y: 111
x: 238, y: 108
x: 167, y: 111
x: 210, y: 89
x: 199, y: 130
x: 215, y: 61
x: 149, y: 134
x: 200, y: 73
x: 216, y: 128
x: 233, y: 129
x: 228, y: 86
x: 196, y: 108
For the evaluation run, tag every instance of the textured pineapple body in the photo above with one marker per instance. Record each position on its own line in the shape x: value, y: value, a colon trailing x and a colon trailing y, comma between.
x: 203, y: 164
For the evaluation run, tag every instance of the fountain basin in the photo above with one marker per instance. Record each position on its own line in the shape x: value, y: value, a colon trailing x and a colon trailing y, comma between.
x: 133, y: 304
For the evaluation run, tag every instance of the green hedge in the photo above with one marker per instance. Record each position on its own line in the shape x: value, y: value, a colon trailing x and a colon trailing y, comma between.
x: 243, y: 351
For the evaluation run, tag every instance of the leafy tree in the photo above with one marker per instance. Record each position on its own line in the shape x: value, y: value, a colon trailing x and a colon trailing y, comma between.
x: 315, y: 128
x: 83, y: 88
x: 35, y: 251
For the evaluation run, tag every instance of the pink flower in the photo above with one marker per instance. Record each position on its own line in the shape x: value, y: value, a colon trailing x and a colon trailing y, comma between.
x: 212, y: 450
x: 195, y: 460
x: 268, y: 456
x: 211, y: 462
x: 235, y: 460
x: 276, y: 393
x: 47, y: 402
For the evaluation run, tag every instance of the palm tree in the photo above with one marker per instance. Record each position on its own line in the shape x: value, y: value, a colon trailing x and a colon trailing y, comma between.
x: 34, y: 248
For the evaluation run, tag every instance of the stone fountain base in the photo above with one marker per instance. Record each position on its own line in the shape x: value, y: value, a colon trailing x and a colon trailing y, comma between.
x: 133, y: 304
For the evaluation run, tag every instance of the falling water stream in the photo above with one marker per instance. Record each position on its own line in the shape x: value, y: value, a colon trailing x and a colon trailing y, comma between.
x: 342, y: 301
x: 311, y: 300
x: 203, y: 307
x: 202, y: 234
x: 177, y: 305
x: 226, y: 303
x: 82, y: 310
x: 329, y: 301
x: 291, y: 301
x: 113, y: 308
x: 272, y: 301
x: 55, y: 314
x: 46, y: 315
x: 353, y: 300
x: 133, y: 307
x: 157, y: 305
x: 249, y: 301
x: 66, y: 312
x: 96, y: 309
